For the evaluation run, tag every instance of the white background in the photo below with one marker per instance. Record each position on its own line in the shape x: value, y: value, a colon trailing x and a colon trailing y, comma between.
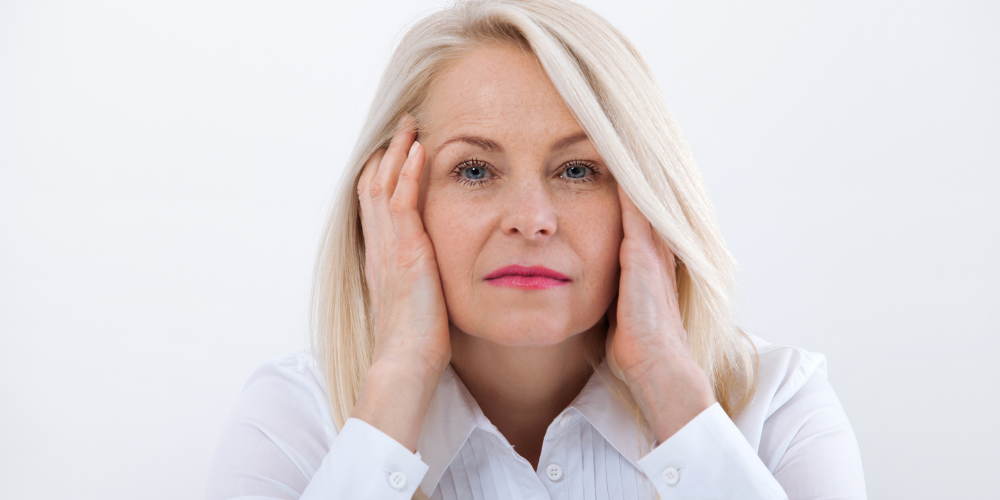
x: 165, y: 167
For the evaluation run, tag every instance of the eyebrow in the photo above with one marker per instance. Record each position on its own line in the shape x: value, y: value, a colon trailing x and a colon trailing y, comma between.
x: 480, y: 142
x: 569, y: 141
x: 492, y: 146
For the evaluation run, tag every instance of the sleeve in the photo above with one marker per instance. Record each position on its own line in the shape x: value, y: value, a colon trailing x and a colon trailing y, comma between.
x: 364, y: 462
x: 709, y: 458
x: 807, y: 451
x: 811, y: 447
x: 280, y: 443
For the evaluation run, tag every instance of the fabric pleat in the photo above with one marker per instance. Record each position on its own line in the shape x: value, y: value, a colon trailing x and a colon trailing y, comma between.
x: 508, y: 485
x: 473, y: 473
x: 463, y: 488
x: 612, y: 471
x: 445, y: 488
x: 628, y: 478
x: 601, y: 490
x: 486, y: 468
x: 587, y: 449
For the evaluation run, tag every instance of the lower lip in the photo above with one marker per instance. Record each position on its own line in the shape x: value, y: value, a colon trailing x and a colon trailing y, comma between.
x: 527, y: 282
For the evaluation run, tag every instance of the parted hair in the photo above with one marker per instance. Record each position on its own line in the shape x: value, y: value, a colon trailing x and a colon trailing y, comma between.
x: 613, y: 95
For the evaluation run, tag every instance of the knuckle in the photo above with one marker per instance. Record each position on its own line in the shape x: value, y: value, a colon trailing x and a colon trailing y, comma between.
x: 397, y: 206
x: 406, y: 176
x: 375, y: 190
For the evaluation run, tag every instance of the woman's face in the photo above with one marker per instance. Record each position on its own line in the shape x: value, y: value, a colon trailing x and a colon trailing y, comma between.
x: 512, y: 180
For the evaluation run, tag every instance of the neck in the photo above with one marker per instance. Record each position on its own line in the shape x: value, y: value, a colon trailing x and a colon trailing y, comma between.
x: 521, y: 389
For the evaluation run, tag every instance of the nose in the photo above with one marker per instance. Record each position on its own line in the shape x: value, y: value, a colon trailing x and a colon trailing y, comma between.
x: 529, y: 212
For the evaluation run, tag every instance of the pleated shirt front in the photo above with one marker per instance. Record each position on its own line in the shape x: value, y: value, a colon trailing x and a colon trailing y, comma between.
x: 591, y: 451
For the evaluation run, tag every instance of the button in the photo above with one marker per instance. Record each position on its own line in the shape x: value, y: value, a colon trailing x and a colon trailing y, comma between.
x: 563, y: 422
x: 397, y: 480
x: 671, y: 476
x: 554, y: 472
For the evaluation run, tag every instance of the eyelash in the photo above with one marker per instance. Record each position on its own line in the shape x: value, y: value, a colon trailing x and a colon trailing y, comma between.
x: 475, y: 162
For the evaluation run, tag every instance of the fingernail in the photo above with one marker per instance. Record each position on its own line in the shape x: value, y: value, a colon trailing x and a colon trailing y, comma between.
x: 413, y: 148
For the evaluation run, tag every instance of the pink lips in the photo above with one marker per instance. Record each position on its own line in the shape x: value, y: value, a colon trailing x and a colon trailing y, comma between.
x: 535, y: 277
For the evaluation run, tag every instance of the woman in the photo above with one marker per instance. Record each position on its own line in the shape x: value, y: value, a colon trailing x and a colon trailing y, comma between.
x: 523, y: 293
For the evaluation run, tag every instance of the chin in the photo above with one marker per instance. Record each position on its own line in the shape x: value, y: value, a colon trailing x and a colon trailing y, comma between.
x: 523, y: 329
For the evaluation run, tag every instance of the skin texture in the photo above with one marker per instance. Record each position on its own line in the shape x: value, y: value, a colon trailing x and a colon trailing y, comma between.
x: 502, y: 175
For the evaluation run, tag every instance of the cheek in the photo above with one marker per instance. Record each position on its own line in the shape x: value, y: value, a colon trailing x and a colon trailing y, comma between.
x: 595, y: 228
x: 455, y: 231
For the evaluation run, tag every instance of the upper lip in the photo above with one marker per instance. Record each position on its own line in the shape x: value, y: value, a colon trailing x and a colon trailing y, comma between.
x: 527, y: 271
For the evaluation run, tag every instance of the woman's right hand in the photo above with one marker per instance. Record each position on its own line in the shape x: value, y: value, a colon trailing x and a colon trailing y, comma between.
x: 410, y: 320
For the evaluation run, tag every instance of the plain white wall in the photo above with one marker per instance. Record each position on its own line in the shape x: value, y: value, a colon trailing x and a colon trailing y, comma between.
x: 165, y: 166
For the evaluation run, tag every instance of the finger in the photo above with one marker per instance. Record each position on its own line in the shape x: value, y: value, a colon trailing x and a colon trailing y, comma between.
x: 634, y: 224
x: 637, y: 228
x: 368, y: 226
x: 364, y: 198
x: 403, y: 204
x: 384, y: 182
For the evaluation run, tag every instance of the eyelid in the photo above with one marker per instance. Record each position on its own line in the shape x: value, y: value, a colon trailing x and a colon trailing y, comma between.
x: 581, y: 163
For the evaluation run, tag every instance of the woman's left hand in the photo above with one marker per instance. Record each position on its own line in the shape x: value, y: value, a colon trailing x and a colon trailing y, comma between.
x: 647, y: 346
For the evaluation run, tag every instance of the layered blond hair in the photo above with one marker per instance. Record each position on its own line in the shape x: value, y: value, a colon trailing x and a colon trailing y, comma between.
x: 613, y: 95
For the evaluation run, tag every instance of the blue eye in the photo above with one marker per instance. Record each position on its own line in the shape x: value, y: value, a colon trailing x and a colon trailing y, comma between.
x: 473, y: 173
x: 579, y: 172
x: 576, y: 172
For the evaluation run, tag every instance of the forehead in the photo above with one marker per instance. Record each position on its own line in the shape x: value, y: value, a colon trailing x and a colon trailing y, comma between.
x: 501, y: 88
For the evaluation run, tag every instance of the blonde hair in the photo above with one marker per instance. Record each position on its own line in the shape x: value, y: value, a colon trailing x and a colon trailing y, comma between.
x: 615, y: 98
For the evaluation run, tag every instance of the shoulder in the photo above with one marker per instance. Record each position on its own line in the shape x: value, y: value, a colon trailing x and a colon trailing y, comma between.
x: 783, y: 371
x: 278, y: 432
x: 288, y: 387
x: 297, y: 370
x: 798, y: 427
x: 784, y: 375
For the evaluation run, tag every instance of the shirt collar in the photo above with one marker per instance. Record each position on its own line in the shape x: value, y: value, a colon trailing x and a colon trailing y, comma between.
x: 454, y: 414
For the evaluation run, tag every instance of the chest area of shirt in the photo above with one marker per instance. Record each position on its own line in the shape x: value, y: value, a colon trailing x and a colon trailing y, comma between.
x: 576, y: 464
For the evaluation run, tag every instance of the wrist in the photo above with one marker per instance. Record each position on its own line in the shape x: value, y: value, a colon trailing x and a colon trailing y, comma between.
x: 410, y: 360
x: 396, y: 396
x: 670, y: 394
x: 413, y: 358
x: 406, y: 370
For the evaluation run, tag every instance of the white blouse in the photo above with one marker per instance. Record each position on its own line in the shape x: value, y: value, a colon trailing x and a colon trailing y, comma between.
x: 792, y: 441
